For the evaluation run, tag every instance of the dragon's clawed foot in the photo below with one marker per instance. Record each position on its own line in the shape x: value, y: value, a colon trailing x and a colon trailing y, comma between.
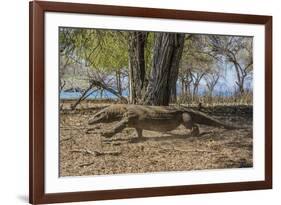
x: 108, y: 134
x: 89, y: 131
x: 92, y: 130
x: 195, y: 131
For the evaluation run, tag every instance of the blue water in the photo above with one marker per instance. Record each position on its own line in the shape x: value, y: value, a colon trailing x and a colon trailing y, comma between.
x: 107, y: 95
x: 95, y: 95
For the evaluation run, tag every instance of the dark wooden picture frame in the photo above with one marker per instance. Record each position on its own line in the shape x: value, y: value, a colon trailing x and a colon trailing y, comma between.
x: 37, y: 10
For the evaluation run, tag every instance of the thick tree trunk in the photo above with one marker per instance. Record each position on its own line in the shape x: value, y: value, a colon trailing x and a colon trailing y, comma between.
x: 136, y: 65
x: 167, y: 53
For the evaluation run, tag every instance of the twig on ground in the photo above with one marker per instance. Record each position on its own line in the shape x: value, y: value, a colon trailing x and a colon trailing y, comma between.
x: 95, y: 153
x: 92, y: 130
x: 74, y: 128
x: 66, y: 139
x: 86, y: 164
x: 183, y: 150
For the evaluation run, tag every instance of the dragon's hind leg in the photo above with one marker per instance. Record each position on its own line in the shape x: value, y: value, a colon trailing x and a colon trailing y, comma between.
x: 195, y: 130
x: 189, y: 124
x: 139, y: 132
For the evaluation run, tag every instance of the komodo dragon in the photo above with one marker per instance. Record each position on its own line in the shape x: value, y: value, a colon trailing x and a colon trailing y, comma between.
x: 154, y: 118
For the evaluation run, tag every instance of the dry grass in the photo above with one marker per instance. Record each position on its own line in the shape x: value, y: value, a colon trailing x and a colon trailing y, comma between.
x: 231, y: 99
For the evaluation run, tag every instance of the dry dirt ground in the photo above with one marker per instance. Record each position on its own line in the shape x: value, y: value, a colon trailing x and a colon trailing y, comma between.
x: 216, y: 148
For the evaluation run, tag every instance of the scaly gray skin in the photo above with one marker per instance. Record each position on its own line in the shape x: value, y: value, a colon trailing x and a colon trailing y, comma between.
x: 154, y: 118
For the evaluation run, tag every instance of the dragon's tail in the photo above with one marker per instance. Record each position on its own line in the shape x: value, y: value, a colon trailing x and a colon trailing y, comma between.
x: 201, y: 118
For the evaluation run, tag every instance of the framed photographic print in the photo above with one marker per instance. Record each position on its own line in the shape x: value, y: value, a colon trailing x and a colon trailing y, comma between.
x: 139, y: 102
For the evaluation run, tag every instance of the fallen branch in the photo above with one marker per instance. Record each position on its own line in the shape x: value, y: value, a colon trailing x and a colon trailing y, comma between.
x: 95, y: 153
x: 86, y: 164
x: 83, y: 96
x: 73, y: 128
x: 84, y: 151
x: 103, y: 86
x: 66, y: 139
x: 183, y: 150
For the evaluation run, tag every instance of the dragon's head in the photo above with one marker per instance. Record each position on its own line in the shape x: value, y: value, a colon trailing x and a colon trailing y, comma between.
x: 107, y: 115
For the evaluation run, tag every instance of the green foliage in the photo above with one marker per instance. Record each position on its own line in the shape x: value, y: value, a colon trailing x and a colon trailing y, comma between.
x: 98, y: 49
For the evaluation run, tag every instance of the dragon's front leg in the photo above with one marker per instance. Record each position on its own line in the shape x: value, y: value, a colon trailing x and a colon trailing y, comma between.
x: 118, y: 127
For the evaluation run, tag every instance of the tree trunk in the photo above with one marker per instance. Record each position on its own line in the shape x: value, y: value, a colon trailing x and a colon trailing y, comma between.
x: 173, y: 95
x: 136, y: 65
x: 118, y: 82
x: 240, y: 77
x: 167, y: 53
x: 240, y: 85
x: 182, y: 87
